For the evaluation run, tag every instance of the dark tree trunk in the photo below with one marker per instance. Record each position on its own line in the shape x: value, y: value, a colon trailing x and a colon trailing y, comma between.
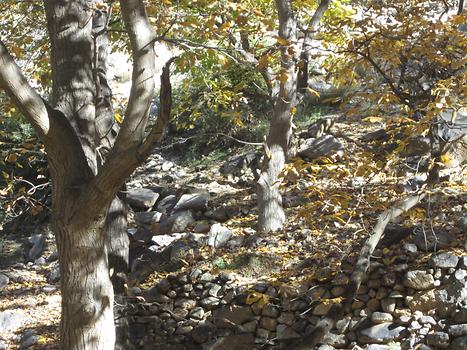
x: 271, y: 214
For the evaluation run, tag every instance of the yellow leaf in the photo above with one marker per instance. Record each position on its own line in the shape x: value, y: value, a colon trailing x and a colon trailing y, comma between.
x: 263, y: 61
x: 313, y: 92
x: 282, y: 41
x: 118, y: 118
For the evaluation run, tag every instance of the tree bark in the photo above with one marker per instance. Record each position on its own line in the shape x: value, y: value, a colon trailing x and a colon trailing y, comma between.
x: 271, y: 216
x: 87, y: 321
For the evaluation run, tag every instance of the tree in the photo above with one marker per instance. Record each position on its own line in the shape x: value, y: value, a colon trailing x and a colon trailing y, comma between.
x: 271, y: 214
x: 74, y: 127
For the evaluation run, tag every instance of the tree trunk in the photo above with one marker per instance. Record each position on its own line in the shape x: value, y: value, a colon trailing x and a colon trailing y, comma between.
x: 87, y: 321
x: 271, y: 216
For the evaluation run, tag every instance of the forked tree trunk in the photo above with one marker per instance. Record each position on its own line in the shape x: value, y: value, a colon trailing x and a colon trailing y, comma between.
x: 271, y: 215
x: 87, y: 321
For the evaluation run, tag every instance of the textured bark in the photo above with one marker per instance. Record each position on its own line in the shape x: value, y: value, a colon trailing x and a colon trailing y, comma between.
x: 271, y: 215
x: 87, y: 321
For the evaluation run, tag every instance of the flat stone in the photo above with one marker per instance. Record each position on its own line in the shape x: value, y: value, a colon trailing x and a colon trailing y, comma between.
x: 419, y: 280
x: 147, y: 218
x: 382, y: 333
x: 444, y: 260
x: 202, y: 227
x: 141, y: 197
x: 193, y: 201
x: 209, y: 302
x: 285, y: 332
x: 381, y: 317
x: 457, y: 330
x: 320, y: 147
x: 438, y: 339
x: 218, y: 236
x: 235, y: 314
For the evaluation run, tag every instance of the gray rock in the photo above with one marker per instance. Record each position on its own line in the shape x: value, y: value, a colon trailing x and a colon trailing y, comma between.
x: 2, y: 345
x: 459, y: 344
x: 187, y: 304
x: 167, y: 165
x: 38, y: 246
x: 183, y: 329
x: 141, y: 197
x: 4, y: 280
x: 197, y: 313
x: 54, y: 275
x: 320, y: 147
x: 235, y: 314
x: 271, y: 311
x: 162, y: 241
x: 287, y: 318
x: 410, y: 247
x: 419, y: 280
x: 218, y: 236
x: 203, y: 332
x: 444, y: 260
x: 147, y: 218
x: 438, y: 339
x: 140, y: 234
x: 268, y: 323
x: 166, y: 204
x: 433, y: 240
x: 388, y: 305
x: 462, y: 223
x: 12, y: 320
x: 177, y: 222
x: 221, y: 214
x: 336, y: 340
x: 378, y: 347
x: 457, y: 330
x: 443, y: 299
x: 193, y: 201
x: 209, y: 303
x: 239, y: 164
x: 382, y: 333
x: 202, y: 227
x: 381, y: 317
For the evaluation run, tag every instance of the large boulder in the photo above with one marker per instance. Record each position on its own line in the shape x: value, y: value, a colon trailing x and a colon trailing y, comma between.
x: 141, y: 198
x: 218, y: 236
x: 193, y: 201
x: 323, y: 146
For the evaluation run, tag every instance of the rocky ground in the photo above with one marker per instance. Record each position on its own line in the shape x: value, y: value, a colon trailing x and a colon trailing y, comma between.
x: 203, y: 278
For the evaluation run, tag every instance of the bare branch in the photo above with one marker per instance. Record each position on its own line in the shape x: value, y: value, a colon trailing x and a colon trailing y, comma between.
x: 23, y: 95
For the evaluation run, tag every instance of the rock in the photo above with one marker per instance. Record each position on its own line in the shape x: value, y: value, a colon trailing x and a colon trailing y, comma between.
x: 268, y: 323
x: 438, y: 339
x: 187, y: 304
x: 2, y: 345
x: 444, y: 260
x: 162, y: 241
x: 167, y: 165
x: 236, y: 165
x: 271, y: 310
x: 221, y: 214
x: 197, y: 313
x: 462, y: 223
x: 38, y: 246
x: 235, y: 314
x: 285, y: 332
x: 381, y: 317
x: 177, y: 222
x: 4, y: 280
x: 433, y: 240
x: 147, y: 218
x: 419, y: 280
x: 461, y: 316
x: 234, y: 342
x: 28, y: 339
x: 287, y: 318
x: 166, y: 204
x: 443, y: 299
x: 410, y: 247
x: 12, y: 320
x: 388, y: 305
x: 140, y: 234
x: 457, y: 330
x: 336, y: 340
x: 203, y: 333
x: 378, y: 347
x: 201, y: 227
x: 183, y: 329
x: 141, y: 198
x: 206, y: 277
x: 54, y: 275
x: 321, y: 309
x: 382, y: 333
x: 251, y: 326
x: 193, y: 201
x: 320, y: 147
x: 459, y: 344
x: 209, y: 303
x: 218, y: 236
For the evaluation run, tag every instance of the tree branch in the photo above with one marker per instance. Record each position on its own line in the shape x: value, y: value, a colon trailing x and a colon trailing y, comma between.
x: 23, y: 95
x: 337, y: 310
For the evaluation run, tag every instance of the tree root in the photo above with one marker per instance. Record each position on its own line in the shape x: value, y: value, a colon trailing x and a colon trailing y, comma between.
x: 337, y: 310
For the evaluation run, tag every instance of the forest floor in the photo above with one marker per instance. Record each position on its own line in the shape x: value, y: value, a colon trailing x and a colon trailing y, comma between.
x: 333, y: 205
